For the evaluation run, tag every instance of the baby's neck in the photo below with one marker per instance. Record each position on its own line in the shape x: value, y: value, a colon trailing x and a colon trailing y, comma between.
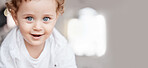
x: 35, y: 51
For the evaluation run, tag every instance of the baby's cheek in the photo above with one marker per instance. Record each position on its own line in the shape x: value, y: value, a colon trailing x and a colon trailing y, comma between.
x: 48, y: 33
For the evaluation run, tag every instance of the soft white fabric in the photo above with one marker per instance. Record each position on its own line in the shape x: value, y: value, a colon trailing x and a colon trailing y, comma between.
x: 56, y: 53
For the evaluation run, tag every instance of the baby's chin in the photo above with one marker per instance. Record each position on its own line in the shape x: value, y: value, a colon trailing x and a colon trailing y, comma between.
x: 36, y: 43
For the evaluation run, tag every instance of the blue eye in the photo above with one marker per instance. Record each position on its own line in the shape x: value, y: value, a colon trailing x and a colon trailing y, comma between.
x: 46, y: 18
x: 29, y: 18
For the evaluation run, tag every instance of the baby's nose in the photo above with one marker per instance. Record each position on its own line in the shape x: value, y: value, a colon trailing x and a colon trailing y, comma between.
x: 37, y: 26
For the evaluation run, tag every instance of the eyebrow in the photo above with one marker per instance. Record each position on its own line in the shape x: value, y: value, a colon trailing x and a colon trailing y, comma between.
x: 32, y: 14
x: 27, y: 14
x: 48, y: 14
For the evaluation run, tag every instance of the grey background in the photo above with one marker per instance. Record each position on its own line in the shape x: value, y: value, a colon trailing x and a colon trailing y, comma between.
x: 127, y: 34
x: 127, y: 39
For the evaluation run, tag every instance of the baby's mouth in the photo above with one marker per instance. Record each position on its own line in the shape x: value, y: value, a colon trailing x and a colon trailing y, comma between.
x: 36, y: 35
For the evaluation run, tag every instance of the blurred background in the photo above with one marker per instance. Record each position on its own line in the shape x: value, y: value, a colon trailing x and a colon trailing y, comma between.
x: 103, y: 33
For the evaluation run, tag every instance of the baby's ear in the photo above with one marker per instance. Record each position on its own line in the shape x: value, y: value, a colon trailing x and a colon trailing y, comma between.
x: 14, y: 16
x: 57, y: 15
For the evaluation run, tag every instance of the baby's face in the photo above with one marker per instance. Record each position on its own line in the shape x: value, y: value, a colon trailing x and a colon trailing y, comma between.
x: 36, y: 20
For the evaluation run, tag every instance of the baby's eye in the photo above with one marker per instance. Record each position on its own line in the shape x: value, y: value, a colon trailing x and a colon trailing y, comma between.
x: 29, y: 18
x: 46, y: 18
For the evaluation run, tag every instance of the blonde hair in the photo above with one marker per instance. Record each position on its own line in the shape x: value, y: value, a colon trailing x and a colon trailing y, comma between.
x: 14, y: 5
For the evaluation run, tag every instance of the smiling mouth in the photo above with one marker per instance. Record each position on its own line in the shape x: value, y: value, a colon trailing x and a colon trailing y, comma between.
x: 34, y: 35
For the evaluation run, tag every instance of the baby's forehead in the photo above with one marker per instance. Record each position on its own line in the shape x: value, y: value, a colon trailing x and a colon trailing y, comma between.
x: 38, y: 8
x: 47, y: 5
x: 15, y: 4
x: 19, y: 2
